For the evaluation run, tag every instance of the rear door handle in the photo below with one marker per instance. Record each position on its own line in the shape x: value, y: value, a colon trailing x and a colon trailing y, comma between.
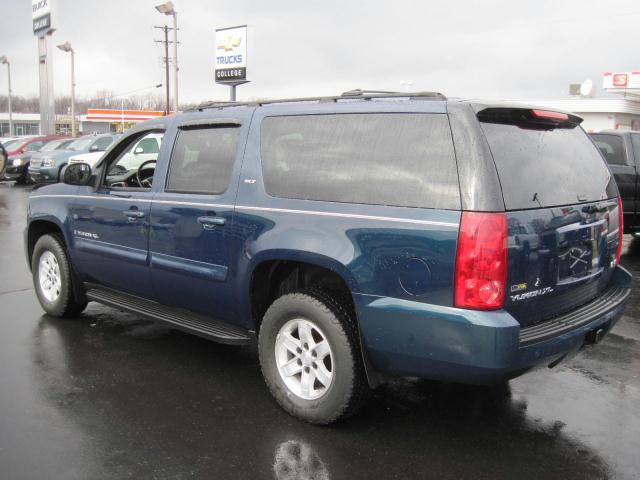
x: 209, y: 223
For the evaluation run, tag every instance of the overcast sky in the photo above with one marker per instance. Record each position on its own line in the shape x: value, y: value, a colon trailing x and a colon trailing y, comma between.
x: 488, y: 48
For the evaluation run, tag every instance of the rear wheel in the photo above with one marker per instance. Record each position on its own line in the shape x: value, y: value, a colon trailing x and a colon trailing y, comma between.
x: 52, y: 278
x: 310, y: 357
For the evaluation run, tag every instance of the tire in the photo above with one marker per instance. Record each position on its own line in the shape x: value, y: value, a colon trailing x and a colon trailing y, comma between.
x: 327, y: 319
x: 58, y: 300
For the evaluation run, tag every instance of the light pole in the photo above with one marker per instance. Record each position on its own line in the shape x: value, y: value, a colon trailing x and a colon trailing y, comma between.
x: 122, y: 96
x: 168, y: 9
x: 66, y: 47
x: 4, y: 61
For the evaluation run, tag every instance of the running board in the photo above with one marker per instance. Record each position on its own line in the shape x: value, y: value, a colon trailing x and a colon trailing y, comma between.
x: 176, y: 317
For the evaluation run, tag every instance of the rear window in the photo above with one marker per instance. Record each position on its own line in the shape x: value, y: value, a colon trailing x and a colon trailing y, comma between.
x: 400, y: 159
x: 611, y: 147
x: 545, y: 167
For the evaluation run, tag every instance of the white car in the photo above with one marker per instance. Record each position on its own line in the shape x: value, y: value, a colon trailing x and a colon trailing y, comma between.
x: 140, y: 152
x: 89, y: 158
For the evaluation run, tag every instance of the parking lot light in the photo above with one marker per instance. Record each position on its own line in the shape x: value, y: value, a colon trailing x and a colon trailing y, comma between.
x: 168, y: 9
x: 66, y: 47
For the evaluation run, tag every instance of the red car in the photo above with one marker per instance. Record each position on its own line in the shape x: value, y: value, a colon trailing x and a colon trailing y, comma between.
x: 28, y: 144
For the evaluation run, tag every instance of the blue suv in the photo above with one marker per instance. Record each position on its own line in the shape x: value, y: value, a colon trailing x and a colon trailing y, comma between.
x: 353, y: 238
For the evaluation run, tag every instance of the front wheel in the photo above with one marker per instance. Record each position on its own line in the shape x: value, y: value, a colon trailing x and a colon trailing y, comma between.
x: 310, y: 357
x: 52, y: 278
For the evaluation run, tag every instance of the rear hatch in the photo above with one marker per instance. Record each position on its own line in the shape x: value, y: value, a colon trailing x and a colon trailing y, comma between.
x: 562, y: 211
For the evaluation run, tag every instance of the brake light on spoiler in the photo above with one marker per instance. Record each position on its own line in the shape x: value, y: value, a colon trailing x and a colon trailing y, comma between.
x: 547, y: 114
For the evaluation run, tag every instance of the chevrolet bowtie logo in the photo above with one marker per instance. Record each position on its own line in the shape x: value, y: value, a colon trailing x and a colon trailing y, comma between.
x: 228, y: 43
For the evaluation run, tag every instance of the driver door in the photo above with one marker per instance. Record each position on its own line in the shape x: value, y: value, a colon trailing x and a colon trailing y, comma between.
x: 111, y: 224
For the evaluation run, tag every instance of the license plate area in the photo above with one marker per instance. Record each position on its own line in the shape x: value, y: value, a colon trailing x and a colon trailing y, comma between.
x: 579, y: 251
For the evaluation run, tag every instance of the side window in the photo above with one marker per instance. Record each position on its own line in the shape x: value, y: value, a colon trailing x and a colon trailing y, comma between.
x: 125, y: 170
x: 101, y: 144
x: 202, y: 160
x: 398, y: 159
x: 635, y: 141
x: 611, y: 147
x: 35, y: 146
x: 147, y: 145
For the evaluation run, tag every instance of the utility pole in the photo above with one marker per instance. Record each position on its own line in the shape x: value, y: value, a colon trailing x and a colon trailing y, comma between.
x: 6, y: 62
x: 166, y: 42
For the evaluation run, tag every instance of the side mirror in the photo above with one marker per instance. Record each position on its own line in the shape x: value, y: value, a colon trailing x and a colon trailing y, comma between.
x: 138, y: 150
x: 77, y: 174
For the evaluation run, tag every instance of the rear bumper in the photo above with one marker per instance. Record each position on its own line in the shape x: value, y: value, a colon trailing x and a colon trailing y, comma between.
x: 408, y: 338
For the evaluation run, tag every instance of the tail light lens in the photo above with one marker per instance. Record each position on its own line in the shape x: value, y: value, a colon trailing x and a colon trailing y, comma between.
x: 481, y: 261
x: 620, y: 230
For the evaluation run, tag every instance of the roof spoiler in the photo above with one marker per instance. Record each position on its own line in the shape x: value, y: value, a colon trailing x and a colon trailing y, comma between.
x: 529, y: 117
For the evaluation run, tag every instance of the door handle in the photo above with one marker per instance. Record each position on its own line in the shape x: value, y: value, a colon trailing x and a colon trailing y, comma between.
x: 133, y: 215
x: 209, y: 223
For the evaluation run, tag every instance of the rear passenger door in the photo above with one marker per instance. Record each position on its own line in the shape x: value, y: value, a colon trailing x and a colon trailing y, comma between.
x: 191, y: 218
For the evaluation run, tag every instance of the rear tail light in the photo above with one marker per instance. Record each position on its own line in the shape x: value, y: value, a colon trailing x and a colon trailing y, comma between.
x: 620, y: 230
x: 481, y: 261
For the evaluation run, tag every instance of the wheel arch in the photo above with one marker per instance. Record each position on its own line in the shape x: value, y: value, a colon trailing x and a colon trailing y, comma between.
x: 276, y: 273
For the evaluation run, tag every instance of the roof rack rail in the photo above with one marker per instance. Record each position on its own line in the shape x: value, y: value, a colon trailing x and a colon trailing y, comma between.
x: 351, y: 94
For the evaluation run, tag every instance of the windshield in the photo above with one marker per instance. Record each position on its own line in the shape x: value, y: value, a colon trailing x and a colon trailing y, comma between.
x: 611, y: 147
x: 546, y: 167
x: 53, y: 145
x: 14, y: 144
x: 81, y: 144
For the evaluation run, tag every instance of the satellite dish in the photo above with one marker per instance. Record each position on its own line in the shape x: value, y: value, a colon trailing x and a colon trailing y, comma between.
x: 586, y: 88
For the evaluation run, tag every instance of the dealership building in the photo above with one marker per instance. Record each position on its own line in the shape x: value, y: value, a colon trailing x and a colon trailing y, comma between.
x: 97, y: 120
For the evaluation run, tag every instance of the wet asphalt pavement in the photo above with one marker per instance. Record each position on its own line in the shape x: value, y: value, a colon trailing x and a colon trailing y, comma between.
x: 109, y: 395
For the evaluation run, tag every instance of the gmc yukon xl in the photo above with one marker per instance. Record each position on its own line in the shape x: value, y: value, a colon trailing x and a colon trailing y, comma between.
x: 352, y: 238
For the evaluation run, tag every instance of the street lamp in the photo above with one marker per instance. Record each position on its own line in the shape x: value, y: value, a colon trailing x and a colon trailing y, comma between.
x: 168, y: 9
x: 4, y: 61
x: 66, y: 47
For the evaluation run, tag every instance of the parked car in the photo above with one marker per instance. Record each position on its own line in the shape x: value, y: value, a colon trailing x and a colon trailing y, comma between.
x: 18, y: 165
x: 146, y: 149
x: 48, y: 168
x: 352, y: 238
x: 27, y: 144
x: 621, y: 150
x: 3, y: 160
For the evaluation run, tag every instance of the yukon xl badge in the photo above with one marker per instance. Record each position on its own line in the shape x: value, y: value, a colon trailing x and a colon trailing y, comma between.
x: 80, y: 233
x: 533, y: 293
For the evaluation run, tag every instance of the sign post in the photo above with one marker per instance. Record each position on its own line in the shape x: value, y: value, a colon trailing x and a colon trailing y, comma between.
x: 231, y: 58
x: 43, y: 29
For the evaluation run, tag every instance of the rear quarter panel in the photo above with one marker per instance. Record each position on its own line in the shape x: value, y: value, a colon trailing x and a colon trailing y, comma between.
x: 378, y: 250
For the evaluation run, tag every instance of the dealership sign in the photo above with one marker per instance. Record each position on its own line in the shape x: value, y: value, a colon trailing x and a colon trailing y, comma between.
x: 41, y: 16
x: 231, y: 55
x: 621, y: 81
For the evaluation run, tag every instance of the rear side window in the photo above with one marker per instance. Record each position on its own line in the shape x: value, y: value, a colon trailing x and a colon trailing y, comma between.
x: 635, y: 141
x: 611, y: 147
x: 202, y: 160
x: 546, y: 167
x: 380, y: 159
